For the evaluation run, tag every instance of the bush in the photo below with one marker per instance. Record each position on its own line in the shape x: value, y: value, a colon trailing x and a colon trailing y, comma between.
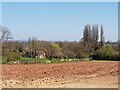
x: 11, y: 55
x: 106, y: 53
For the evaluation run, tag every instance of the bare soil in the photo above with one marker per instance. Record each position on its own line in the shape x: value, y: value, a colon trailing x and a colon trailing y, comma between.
x: 64, y: 75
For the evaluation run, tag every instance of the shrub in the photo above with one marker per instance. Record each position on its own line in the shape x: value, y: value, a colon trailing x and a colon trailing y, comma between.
x: 106, y: 53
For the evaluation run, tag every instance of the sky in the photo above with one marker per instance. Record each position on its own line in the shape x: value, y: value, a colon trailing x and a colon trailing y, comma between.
x: 54, y: 21
x: 0, y: 13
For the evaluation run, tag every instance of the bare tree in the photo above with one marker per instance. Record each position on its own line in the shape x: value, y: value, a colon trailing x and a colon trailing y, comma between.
x: 8, y: 47
x: 5, y: 34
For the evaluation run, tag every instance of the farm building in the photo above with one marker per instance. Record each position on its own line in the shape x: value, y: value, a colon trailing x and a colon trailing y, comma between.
x: 37, y: 54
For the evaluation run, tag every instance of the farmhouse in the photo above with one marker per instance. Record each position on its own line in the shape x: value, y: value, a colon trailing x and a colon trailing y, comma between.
x: 40, y: 54
x: 35, y: 54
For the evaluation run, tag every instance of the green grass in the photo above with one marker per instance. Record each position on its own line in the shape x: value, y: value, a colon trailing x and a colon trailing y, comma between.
x: 105, y: 60
x: 25, y: 60
x: 3, y: 60
x: 33, y: 59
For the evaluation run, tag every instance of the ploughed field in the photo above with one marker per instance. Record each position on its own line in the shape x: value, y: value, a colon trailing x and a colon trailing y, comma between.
x: 92, y: 74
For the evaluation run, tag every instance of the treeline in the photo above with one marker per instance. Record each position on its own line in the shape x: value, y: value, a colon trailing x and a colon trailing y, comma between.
x: 88, y: 47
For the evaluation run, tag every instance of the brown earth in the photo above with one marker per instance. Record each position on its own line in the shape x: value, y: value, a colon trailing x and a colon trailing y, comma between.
x: 64, y: 75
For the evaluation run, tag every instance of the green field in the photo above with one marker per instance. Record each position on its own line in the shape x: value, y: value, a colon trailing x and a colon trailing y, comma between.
x: 25, y: 60
x: 37, y: 59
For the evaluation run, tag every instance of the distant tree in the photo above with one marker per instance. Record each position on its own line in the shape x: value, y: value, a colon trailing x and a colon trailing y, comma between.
x: 95, y: 36
x: 86, y: 33
x: 9, y: 47
x: 69, y: 54
x: 5, y: 36
x: 102, y: 39
x: 54, y: 50
x: 90, y: 38
x: 106, y: 53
